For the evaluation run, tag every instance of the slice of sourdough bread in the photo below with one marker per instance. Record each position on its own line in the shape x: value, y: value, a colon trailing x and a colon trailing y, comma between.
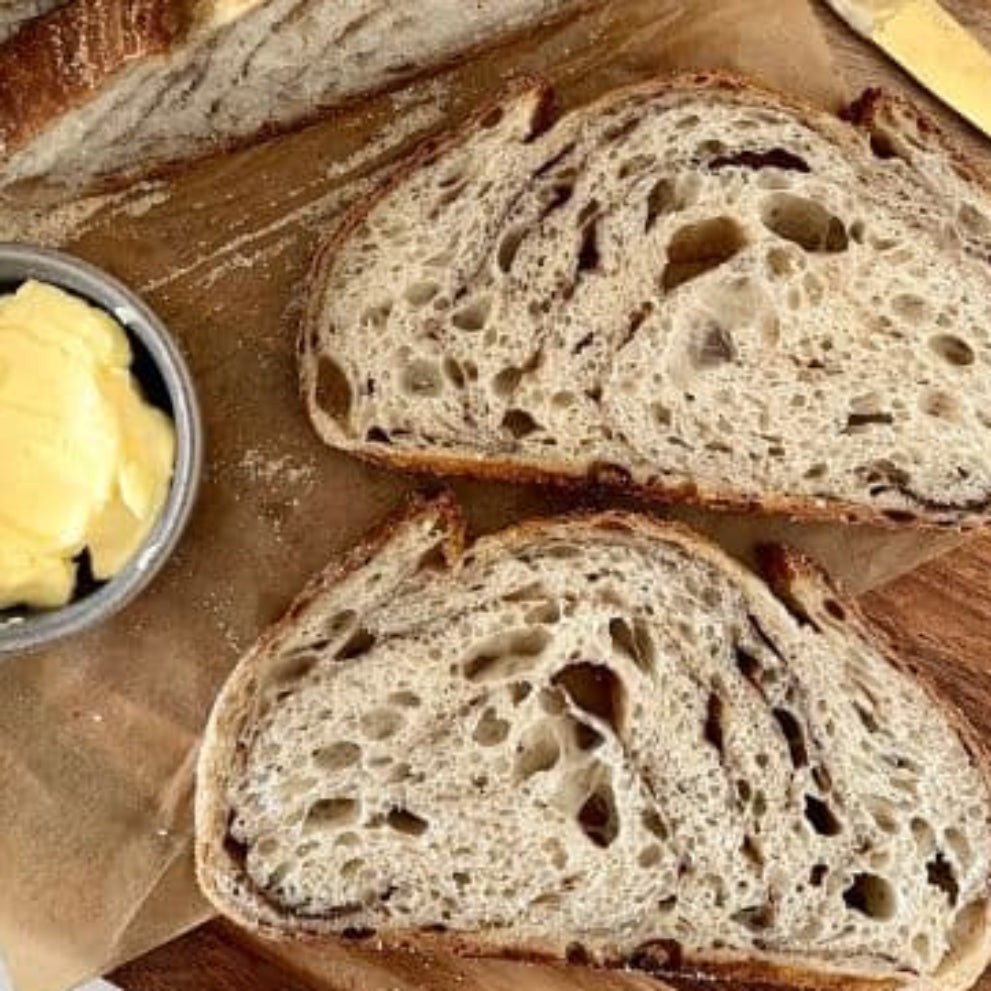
x: 602, y: 739
x: 111, y: 88
x: 693, y: 287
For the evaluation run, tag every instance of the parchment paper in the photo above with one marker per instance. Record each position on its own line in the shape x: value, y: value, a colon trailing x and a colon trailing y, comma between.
x: 98, y: 737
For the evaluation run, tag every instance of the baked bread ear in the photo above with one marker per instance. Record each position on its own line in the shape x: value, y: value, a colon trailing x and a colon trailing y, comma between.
x: 596, y: 738
x: 107, y: 90
x: 694, y: 288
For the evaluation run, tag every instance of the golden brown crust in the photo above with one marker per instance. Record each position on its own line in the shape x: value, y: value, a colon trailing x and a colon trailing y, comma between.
x: 616, y: 478
x: 54, y: 63
x: 612, y: 478
x: 786, y: 569
x: 773, y: 972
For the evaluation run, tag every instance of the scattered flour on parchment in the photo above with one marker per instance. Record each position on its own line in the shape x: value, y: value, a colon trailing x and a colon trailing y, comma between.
x: 414, y: 115
x: 283, y: 470
x: 431, y: 90
x: 52, y: 224
x: 287, y: 481
x: 242, y: 261
x: 46, y: 225
x: 262, y: 244
x: 219, y: 606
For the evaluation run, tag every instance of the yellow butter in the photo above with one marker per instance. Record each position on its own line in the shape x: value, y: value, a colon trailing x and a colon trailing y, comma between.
x: 85, y: 461
x: 44, y: 580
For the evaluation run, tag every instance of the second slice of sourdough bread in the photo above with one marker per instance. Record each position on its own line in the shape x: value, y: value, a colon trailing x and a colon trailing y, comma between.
x: 597, y: 738
x: 693, y: 287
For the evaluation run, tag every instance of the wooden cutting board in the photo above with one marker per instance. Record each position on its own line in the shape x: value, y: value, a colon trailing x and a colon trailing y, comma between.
x: 940, y: 615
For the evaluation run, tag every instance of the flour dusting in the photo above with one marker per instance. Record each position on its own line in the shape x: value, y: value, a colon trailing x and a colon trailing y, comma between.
x: 282, y: 470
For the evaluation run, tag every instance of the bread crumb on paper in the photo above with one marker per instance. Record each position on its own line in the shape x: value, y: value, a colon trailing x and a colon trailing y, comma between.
x: 147, y: 196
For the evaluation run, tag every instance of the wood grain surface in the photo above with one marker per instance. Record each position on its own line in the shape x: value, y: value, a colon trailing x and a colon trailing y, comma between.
x: 939, y: 614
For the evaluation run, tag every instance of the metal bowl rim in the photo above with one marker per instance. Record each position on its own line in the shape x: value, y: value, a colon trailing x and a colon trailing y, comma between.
x: 19, y: 262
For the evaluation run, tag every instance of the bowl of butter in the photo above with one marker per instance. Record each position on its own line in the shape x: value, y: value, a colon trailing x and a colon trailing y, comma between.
x: 100, y: 446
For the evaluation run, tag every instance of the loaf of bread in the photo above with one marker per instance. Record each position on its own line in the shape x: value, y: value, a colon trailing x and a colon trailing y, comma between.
x: 693, y: 288
x: 111, y: 88
x: 602, y: 739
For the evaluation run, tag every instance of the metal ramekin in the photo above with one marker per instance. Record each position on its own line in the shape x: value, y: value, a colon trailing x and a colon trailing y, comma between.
x: 32, y: 630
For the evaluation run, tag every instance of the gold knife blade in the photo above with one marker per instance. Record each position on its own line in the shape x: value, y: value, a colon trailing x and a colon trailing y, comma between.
x: 930, y: 45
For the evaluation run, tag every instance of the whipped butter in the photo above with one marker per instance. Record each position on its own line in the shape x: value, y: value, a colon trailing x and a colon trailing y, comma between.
x: 85, y: 460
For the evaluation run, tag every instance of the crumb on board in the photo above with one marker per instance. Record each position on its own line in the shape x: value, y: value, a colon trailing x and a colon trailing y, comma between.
x: 144, y: 197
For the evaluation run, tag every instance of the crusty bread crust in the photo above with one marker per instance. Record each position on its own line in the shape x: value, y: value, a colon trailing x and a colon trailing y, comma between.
x: 41, y: 81
x: 799, y: 583
x: 862, y: 115
x: 13, y: 13
x: 41, y: 75
x: 875, y: 107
